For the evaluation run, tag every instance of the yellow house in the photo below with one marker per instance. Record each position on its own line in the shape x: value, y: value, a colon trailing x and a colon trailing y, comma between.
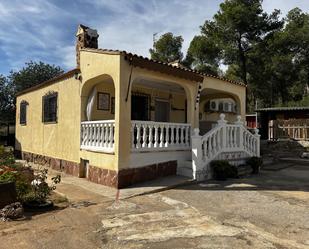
x: 119, y: 118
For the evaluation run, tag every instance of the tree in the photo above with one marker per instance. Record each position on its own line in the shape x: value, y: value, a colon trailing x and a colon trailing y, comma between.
x: 6, y: 101
x: 279, y: 65
x: 32, y: 74
x: 167, y: 48
x: 237, y: 27
x: 203, y: 55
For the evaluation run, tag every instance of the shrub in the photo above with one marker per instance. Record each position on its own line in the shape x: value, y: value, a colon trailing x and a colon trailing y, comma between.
x: 40, y: 190
x: 255, y: 163
x: 223, y: 169
x: 22, y: 184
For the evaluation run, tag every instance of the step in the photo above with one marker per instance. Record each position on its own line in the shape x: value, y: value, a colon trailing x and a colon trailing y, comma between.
x: 184, y: 168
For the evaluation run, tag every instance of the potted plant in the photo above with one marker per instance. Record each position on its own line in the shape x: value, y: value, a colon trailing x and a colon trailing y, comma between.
x: 255, y: 163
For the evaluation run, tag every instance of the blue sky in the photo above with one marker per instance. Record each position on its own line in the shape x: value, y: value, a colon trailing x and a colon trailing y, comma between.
x: 45, y: 29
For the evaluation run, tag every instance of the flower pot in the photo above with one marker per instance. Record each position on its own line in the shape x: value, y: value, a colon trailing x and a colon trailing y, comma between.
x: 7, y: 193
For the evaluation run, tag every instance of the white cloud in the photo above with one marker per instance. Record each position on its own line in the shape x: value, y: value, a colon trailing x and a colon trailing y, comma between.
x: 42, y: 30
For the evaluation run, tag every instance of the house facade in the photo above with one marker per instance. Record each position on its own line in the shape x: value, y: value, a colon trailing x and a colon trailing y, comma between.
x: 119, y: 118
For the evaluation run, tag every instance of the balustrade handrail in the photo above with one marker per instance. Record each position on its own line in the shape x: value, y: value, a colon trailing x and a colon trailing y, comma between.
x: 98, y: 135
x: 154, y: 136
x: 223, y: 138
x: 159, y: 123
x: 98, y: 121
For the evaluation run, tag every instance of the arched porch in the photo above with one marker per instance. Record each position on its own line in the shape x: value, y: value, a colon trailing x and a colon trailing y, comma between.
x: 159, y: 115
x: 212, y: 103
x: 98, y: 114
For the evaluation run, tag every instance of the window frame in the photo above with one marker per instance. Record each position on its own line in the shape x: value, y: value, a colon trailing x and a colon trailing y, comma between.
x: 46, y: 97
x: 23, y: 104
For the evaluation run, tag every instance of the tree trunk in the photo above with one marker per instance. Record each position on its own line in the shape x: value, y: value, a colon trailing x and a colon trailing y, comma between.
x: 243, y: 62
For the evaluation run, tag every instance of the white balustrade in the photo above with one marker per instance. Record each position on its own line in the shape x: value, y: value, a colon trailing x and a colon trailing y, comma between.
x: 159, y: 136
x: 98, y: 135
x: 224, y: 138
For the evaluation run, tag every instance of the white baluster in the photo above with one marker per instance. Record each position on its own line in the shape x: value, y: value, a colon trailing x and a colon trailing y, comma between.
x: 94, y: 143
x: 111, y: 135
x: 182, y: 136
x: 101, y: 135
x: 150, y: 142
x: 177, y: 135
x: 161, y: 136
x: 188, y: 136
x: 156, y: 136
x: 167, y: 136
x: 215, y: 142
x: 132, y: 136
x: 172, y: 135
x: 106, y: 135
x: 144, y: 129
x: 138, y: 136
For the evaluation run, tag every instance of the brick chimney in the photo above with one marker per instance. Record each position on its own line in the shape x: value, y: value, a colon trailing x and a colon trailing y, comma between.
x: 85, y: 38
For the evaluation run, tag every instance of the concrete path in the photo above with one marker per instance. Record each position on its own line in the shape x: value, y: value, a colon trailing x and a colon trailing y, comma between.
x: 156, y: 185
x: 270, y: 210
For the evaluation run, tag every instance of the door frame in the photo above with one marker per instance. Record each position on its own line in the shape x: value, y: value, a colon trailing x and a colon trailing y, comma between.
x: 169, y: 109
x: 148, y: 96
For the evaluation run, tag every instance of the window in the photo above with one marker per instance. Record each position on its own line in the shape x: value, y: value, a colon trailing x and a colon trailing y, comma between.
x: 50, y: 107
x: 23, y: 113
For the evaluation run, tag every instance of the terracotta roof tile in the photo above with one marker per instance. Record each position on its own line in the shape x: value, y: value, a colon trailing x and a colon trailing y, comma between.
x: 111, y: 51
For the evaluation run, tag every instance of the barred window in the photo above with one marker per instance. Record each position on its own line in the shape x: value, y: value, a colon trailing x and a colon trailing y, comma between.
x: 23, y: 113
x: 50, y: 107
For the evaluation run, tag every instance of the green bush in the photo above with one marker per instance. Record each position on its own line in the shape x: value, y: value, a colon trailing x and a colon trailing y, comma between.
x: 223, y: 169
x: 255, y: 163
x: 22, y: 184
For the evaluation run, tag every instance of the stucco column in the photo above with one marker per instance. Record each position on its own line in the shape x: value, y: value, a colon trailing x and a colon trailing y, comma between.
x: 123, y: 116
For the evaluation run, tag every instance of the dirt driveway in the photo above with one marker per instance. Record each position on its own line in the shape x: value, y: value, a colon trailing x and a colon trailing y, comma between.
x: 267, y: 211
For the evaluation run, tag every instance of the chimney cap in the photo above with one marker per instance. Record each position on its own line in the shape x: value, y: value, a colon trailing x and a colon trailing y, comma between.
x: 91, y: 32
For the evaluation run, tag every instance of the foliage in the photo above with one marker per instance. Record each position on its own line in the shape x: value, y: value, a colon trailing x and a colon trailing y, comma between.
x: 237, y: 27
x: 32, y: 74
x: 7, y: 108
x: 255, y: 163
x: 28, y: 188
x: 203, y: 55
x: 40, y: 190
x: 223, y: 169
x: 167, y: 48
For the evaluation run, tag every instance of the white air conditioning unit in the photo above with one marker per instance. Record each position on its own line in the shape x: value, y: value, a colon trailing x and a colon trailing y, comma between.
x: 226, y: 107
x: 213, y: 105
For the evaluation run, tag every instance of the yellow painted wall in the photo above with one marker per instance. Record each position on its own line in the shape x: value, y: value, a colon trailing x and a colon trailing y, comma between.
x: 58, y: 140
x: 104, y: 87
x: 100, y: 71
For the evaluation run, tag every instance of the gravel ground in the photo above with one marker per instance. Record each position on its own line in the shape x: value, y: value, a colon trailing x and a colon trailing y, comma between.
x: 270, y: 210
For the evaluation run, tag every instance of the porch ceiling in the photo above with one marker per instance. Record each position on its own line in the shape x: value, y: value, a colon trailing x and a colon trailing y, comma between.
x: 165, y: 86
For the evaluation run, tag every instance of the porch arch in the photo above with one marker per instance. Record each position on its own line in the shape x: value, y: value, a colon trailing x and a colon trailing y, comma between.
x: 177, y: 95
x: 103, y: 108
x: 212, y: 103
x: 98, y: 114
